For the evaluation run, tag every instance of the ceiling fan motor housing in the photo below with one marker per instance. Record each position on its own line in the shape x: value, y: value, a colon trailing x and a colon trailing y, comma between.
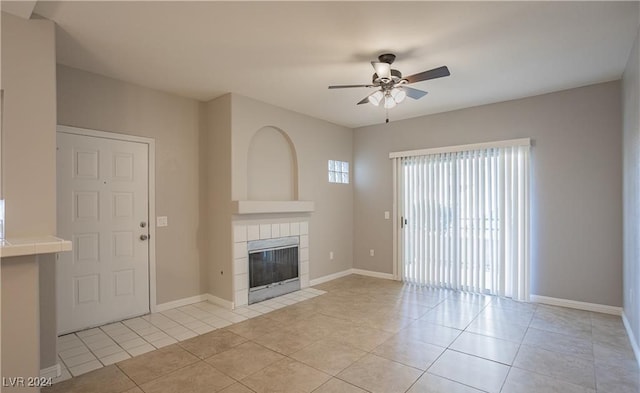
x: 396, y: 76
x: 388, y: 58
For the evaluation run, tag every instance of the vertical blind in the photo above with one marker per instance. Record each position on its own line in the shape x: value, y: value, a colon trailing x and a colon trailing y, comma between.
x: 464, y: 218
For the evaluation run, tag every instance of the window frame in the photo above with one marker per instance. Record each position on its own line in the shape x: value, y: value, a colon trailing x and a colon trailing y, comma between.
x: 338, y: 174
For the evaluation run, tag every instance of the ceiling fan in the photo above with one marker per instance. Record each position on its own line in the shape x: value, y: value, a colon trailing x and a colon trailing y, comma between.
x: 391, y: 87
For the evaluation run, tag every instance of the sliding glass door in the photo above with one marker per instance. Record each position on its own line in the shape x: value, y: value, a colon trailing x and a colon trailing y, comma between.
x: 463, y: 218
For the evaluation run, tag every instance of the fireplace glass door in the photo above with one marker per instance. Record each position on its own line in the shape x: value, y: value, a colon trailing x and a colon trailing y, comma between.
x: 272, y: 266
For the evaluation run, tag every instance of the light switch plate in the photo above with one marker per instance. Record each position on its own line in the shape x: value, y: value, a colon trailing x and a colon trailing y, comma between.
x: 162, y: 221
x: 386, y: 215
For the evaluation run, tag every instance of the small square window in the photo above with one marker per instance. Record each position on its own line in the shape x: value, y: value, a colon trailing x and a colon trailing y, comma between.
x: 338, y: 172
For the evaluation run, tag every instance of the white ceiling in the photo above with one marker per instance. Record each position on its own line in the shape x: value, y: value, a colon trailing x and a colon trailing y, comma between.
x: 287, y: 53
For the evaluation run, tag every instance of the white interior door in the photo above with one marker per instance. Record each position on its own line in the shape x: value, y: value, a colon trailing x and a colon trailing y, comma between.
x: 102, y: 188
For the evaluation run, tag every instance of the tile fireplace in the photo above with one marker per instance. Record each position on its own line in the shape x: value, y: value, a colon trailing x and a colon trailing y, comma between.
x: 252, y: 241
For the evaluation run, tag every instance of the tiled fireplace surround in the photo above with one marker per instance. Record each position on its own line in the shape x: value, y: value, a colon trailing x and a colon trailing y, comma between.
x: 245, y: 231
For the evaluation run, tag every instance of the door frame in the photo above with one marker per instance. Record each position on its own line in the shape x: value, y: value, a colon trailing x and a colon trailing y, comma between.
x: 151, y: 165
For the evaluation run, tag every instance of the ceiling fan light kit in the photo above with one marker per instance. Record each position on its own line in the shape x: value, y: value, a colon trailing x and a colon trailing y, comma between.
x: 392, y: 87
x: 389, y: 102
x: 375, y: 98
x: 398, y: 94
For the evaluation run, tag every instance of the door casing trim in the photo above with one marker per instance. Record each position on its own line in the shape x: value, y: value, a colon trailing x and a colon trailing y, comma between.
x: 151, y: 143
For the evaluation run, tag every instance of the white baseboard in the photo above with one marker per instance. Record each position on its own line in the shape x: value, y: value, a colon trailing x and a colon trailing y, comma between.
x: 329, y: 277
x: 219, y: 301
x: 387, y: 276
x: 180, y: 302
x: 194, y: 299
x: 552, y: 301
x: 51, y: 372
x: 632, y: 337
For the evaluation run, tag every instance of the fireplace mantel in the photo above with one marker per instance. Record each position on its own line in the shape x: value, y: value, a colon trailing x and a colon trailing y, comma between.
x: 266, y: 207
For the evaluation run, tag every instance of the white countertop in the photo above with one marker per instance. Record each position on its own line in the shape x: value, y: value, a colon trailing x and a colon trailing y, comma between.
x: 14, y: 247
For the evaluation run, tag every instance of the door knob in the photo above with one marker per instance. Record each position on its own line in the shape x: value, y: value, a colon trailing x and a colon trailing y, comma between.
x: 144, y: 237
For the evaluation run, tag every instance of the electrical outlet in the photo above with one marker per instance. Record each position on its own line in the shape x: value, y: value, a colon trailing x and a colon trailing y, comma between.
x: 331, y: 255
x: 372, y: 252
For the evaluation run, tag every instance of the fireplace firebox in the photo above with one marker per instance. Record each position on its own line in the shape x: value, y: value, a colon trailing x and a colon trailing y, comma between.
x: 273, y: 267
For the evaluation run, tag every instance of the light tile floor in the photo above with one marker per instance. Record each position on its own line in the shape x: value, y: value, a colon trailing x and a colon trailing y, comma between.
x: 375, y: 335
x: 95, y: 348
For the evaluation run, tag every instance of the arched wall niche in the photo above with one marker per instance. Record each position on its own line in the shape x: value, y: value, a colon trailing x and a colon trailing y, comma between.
x: 272, y: 166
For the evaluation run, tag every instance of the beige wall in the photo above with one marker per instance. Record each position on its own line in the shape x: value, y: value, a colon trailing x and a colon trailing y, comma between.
x: 576, y: 184
x: 315, y: 142
x: 271, y: 174
x: 218, y: 175
x: 20, y: 320
x: 28, y: 165
x: 631, y: 194
x: 48, y: 307
x: 92, y: 101
x: 29, y: 83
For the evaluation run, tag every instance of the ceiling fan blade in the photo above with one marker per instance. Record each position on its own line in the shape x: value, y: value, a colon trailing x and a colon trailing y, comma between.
x: 414, y: 93
x: 363, y: 101
x: 348, y: 86
x: 426, y: 75
x: 382, y: 69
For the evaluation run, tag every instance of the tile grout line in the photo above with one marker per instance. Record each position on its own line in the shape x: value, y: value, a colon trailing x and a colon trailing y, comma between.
x: 449, y: 348
x: 519, y: 347
x: 370, y: 352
